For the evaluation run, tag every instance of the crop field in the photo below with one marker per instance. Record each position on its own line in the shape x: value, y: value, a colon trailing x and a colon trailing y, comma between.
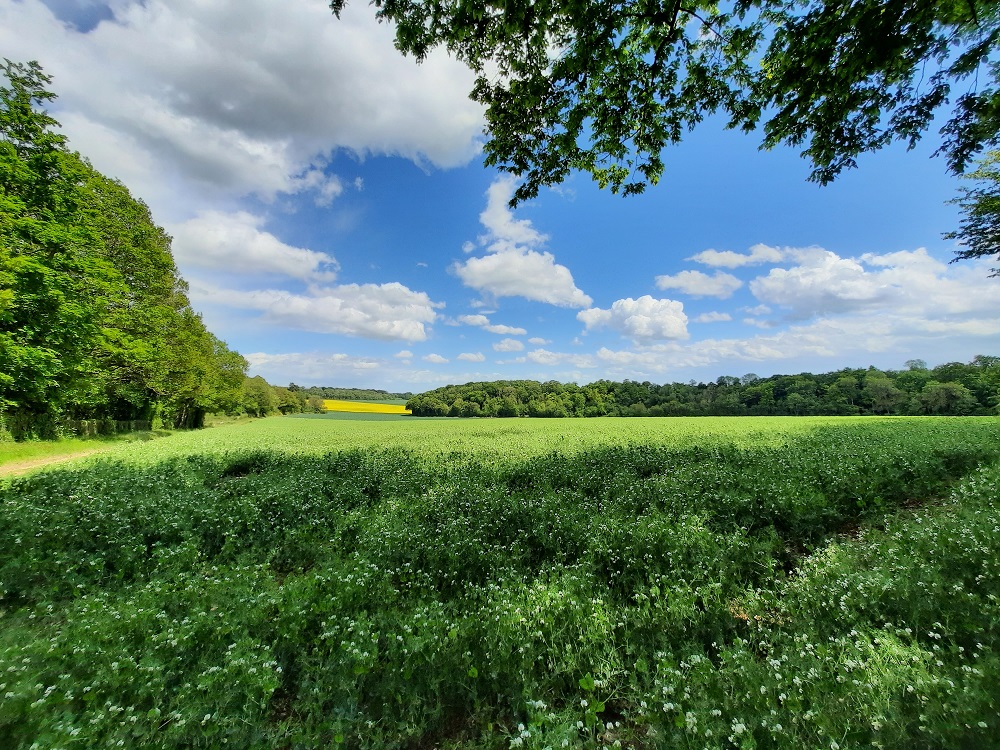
x: 480, y: 584
x: 366, y: 407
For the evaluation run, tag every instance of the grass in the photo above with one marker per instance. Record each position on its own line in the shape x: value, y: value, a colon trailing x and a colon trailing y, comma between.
x: 510, y: 584
x: 34, y: 450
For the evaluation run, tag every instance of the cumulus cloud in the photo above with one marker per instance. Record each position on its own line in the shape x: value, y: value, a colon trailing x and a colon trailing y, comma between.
x: 508, y: 345
x: 377, y: 311
x: 435, y: 359
x: 825, y: 283
x: 512, y: 267
x: 326, y: 368
x: 538, y: 341
x: 551, y: 359
x: 713, y: 317
x: 520, y: 272
x: 404, y: 354
x: 503, y: 330
x: 826, y: 338
x: 483, y: 322
x: 242, y: 98
x: 472, y: 357
x: 757, y: 255
x: 499, y: 220
x: 698, y: 284
x: 643, y: 319
x: 235, y: 243
x: 310, y: 367
x: 906, y: 303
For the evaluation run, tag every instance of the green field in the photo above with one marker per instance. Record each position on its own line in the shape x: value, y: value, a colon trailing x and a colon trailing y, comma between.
x: 409, y: 583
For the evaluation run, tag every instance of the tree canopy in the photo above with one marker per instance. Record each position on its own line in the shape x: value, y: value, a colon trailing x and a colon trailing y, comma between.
x: 605, y: 86
x: 953, y: 388
x: 95, y: 322
x: 979, y: 230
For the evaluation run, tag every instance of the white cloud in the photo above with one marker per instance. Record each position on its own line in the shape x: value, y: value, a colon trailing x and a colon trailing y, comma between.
x: 378, y: 311
x: 520, y: 272
x: 235, y: 243
x: 931, y: 306
x: 698, y: 284
x: 340, y: 369
x: 512, y: 268
x: 508, y: 345
x: 436, y: 359
x: 503, y: 330
x: 242, y: 97
x: 499, y: 220
x: 713, y: 317
x: 327, y: 188
x: 472, y: 357
x: 483, y: 322
x: 404, y: 354
x: 824, y: 283
x: 312, y: 368
x: 538, y: 341
x: 728, y: 259
x: 551, y: 359
x: 643, y: 319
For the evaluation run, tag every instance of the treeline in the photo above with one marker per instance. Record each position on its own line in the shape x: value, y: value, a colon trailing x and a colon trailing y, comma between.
x: 350, y: 394
x: 949, y: 389
x: 260, y: 399
x: 95, y: 321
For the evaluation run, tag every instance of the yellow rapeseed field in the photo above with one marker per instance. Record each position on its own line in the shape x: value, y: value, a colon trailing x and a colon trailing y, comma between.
x: 364, y: 407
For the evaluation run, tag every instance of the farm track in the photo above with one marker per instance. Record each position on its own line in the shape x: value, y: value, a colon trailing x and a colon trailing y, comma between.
x: 16, y: 468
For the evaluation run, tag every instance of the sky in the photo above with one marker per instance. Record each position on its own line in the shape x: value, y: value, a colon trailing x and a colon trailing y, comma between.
x: 330, y: 209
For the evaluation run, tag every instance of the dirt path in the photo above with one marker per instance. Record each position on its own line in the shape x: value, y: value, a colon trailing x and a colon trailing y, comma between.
x: 14, y: 468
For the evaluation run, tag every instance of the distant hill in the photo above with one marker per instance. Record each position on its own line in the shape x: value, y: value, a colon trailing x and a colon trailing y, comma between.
x: 350, y: 394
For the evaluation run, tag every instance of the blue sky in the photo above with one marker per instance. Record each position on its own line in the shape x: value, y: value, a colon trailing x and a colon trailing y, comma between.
x: 331, y: 212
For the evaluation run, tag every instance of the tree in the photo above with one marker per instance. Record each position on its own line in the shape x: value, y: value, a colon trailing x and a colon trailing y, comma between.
x: 881, y: 393
x: 259, y: 398
x: 844, y: 390
x: 95, y: 321
x: 979, y: 227
x: 604, y: 87
x: 947, y: 398
x: 53, y: 285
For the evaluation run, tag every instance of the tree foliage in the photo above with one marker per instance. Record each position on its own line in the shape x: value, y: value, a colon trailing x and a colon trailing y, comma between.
x: 979, y: 230
x: 953, y: 388
x: 95, y: 322
x: 604, y: 87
